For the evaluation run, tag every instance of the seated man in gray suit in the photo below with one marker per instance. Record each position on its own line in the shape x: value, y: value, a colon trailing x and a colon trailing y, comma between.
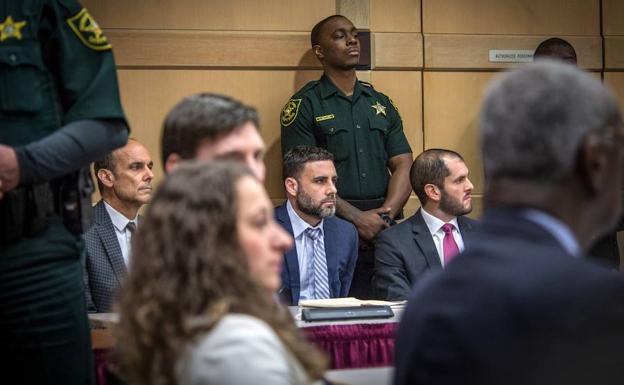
x: 435, y: 234
x: 124, y: 178
x: 326, y: 247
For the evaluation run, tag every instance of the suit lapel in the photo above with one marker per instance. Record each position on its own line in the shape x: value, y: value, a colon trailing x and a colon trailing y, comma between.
x: 291, y: 260
x: 106, y: 232
x: 424, y: 240
x: 465, y: 228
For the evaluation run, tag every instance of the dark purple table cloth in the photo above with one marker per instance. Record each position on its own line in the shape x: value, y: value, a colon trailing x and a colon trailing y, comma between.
x: 355, y: 345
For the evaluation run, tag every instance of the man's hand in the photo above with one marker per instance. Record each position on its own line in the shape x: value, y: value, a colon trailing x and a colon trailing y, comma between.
x: 369, y: 223
x: 9, y: 169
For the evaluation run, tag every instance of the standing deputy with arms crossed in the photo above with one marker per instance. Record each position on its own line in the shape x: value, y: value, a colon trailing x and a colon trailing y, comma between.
x: 362, y: 129
x: 59, y: 110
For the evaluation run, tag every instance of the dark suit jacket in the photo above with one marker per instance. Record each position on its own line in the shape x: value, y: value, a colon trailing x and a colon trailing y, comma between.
x: 405, y: 252
x: 514, y: 308
x: 104, y: 267
x: 341, y: 250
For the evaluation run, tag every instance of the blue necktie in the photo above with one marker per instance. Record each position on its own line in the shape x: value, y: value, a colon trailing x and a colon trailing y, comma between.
x: 319, y: 264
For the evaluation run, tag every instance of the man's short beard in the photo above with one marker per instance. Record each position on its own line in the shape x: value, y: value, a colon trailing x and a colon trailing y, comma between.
x: 306, y: 205
x: 451, y: 206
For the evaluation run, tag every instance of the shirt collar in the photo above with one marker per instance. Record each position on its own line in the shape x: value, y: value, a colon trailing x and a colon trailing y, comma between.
x: 119, y: 220
x: 434, y: 223
x: 298, y: 224
x: 559, y: 230
x: 328, y: 88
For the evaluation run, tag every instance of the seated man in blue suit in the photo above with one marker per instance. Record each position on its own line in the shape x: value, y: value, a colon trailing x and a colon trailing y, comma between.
x: 522, y: 305
x: 326, y: 247
x: 430, y: 238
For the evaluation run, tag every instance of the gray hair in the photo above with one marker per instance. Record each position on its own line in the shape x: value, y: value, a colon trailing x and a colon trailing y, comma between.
x: 534, y: 119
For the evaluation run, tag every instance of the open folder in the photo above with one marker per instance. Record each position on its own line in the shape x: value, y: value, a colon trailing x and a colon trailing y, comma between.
x: 348, y: 302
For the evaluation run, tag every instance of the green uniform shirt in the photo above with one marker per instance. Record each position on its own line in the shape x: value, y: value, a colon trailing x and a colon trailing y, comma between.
x: 362, y: 132
x: 56, y: 67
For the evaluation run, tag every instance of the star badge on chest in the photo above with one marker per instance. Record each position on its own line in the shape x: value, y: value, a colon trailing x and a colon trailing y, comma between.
x: 11, y: 29
x: 379, y: 109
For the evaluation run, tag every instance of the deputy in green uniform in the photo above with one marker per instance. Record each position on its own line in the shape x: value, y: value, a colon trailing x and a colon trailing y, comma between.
x: 362, y: 129
x: 59, y: 110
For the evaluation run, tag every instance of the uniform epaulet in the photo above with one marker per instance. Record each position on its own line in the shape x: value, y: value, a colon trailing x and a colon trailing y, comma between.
x: 366, y: 84
x: 308, y: 87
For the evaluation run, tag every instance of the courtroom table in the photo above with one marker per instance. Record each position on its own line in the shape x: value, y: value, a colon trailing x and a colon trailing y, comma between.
x: 351, y: 344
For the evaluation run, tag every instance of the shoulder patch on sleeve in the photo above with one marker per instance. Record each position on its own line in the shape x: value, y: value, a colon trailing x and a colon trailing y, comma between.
x: 289, y: 112
x: 88, y: 31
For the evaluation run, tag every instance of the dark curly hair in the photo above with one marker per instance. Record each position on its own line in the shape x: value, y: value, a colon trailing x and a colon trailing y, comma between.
x: 188, y: 271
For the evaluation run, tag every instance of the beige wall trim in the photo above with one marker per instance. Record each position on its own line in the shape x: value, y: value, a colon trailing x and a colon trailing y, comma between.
x: 212, y: 49
x: 444, y: 51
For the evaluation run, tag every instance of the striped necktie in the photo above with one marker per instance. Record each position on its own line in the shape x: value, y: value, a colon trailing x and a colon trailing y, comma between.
x: 320, y: 280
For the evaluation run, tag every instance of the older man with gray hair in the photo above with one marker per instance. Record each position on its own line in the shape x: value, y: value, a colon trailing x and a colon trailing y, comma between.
x: 521, y: 305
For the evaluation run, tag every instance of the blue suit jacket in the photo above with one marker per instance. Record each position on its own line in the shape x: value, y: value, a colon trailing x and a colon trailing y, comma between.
x: 514, y: 308
x: 341, y: 250
x: 404, y: 253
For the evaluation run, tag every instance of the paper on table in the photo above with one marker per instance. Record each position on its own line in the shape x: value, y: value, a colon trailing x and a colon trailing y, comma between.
x: 347, y: 301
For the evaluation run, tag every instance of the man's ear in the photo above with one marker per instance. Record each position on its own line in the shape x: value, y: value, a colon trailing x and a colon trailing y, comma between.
x: 318, y: 51
x: 106, y: 177
x: 433, y: 192
x: 172, y: 162
x: 593, y: 163
x: 291, y: 186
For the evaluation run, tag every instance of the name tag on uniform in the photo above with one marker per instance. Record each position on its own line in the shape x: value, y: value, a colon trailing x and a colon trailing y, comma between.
x: 324, y: 117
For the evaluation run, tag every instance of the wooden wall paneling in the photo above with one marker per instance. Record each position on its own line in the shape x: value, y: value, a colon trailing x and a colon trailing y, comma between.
x: 451, y: 106
x: 148, y: 95
x: 358, y: 11
x: 397, y: 50
x: 395, y: 16
x: 612, y: 16
x: 615, y: 80
x: 443, y: 51
x: 212, y: 49
x: 614, y: 53
x: 513, y: 17
x: 214, y: 15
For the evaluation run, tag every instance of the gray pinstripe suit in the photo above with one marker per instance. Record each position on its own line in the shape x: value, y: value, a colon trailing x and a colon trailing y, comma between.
x: 104, y: 267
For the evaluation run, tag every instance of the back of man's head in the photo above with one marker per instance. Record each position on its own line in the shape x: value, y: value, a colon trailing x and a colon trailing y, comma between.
x: 534, y: 120
x: 202, y: 117
x: 296, y: 158
x: 430, y: 168
x: 556, y: 48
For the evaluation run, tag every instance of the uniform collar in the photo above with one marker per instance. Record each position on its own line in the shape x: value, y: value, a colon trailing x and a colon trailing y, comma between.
x: 328, y: 89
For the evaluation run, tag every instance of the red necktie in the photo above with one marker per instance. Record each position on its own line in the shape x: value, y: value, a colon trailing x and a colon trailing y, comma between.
x: 449, y: 246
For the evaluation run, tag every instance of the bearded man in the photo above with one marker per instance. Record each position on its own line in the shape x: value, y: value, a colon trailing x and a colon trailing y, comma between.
x: 326, y: 247
x: 435, y: 234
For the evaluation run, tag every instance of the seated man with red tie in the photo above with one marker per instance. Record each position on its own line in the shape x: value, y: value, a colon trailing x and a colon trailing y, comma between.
x: 322, y: 262
x: 437, y: 232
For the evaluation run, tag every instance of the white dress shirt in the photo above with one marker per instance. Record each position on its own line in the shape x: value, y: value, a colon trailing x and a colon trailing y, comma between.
x: 435, y: 228
x: 305, y: 249
x: 123, y: 234
x: 559, y: 230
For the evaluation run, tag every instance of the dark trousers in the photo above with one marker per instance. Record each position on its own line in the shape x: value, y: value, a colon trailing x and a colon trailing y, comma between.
x: 362, y: 285
x: 44, y: 331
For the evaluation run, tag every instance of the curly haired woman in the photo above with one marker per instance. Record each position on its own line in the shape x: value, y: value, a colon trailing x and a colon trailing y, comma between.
x: 198, y: 306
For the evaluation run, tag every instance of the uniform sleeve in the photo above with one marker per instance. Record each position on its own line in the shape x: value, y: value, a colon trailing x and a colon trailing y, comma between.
x: 297, y: 121
x: 81, y: 61
x: 396, y: 143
